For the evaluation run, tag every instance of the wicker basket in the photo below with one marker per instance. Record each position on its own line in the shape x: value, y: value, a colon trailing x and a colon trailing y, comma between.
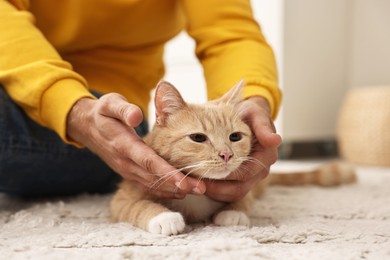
x: 364, y: 126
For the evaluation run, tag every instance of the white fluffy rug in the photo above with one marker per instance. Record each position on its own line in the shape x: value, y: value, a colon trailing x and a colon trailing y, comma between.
x: 350, y: 222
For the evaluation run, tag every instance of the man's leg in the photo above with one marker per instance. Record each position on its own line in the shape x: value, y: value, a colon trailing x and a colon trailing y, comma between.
x: 34, y: 161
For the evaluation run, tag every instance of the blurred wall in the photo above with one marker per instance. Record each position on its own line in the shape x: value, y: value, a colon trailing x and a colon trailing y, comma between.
x: 369, y: 52
x: 315, y: 38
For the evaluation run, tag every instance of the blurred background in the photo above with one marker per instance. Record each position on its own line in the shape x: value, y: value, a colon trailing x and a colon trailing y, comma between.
x: 324, y: 49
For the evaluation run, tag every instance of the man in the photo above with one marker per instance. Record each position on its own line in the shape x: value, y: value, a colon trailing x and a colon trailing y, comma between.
x: 57, y: 57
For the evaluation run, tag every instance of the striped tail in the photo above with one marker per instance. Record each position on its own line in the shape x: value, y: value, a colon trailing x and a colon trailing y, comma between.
x: 329, y: 174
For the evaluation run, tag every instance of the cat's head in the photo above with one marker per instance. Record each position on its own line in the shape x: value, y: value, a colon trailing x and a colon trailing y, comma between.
x: 208, y: 140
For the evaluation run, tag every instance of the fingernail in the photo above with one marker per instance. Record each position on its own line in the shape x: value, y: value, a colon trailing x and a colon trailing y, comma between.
x: 196, y: 190
x: 177, y: 184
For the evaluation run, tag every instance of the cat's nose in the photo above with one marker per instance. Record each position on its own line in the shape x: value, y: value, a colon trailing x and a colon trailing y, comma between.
x: 226, y: 155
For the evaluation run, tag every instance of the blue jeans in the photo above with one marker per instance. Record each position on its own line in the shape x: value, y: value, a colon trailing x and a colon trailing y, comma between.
x: 34, y: 161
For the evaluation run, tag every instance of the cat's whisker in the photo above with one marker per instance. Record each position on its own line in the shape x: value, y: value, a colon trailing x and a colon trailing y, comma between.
x: 256, y: 161
x: 202, y: 176
x: 188, y: 173
x: 163, y: 179
x: 199, y: 180
x: 160, y: 181
x: 243, y: 170
x: 209, y: 165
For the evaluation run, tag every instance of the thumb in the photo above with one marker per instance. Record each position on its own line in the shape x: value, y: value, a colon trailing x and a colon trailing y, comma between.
x: 264, y: 130
x: 133, y: 115
x: 267, y: 138
x: 259, y: 120
x: 116, y: 106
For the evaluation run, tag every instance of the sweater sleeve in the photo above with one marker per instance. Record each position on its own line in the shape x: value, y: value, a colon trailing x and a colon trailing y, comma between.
x: 33, y: 73
x: 230, y: 47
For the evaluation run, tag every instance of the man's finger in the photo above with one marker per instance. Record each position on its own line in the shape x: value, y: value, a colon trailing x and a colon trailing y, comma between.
x: 149, y: 160
x: 261, y: 124
x: 116, y: 106
x: 249, y: 170
x: 226, y: 191
x: 163, y: 194
x: 264, y: 131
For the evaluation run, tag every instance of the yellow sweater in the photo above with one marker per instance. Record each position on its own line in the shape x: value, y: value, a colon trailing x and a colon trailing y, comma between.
x: 52, y: 52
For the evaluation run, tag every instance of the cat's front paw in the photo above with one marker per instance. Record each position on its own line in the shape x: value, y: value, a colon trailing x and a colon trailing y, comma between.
x: 231, y: 218
x: 167, y: 223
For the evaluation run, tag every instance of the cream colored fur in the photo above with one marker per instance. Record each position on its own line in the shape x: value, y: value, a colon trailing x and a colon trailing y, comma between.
x: 215, y: 157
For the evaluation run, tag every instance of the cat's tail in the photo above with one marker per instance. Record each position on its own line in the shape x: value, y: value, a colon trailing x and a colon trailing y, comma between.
x: 332, y: 173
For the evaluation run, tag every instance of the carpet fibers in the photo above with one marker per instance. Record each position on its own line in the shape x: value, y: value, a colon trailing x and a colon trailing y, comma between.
x: 348, y: 222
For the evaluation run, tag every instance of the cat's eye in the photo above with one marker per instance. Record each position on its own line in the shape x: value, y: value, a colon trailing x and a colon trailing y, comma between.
x: 199, y: 138
x: 235, y: 137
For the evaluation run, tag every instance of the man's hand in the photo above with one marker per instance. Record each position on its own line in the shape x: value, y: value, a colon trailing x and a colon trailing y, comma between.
x: 256, y: 113
x: 106, y: 127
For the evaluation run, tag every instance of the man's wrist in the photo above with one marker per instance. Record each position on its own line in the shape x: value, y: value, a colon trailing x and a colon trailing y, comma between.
x: 77, y: 119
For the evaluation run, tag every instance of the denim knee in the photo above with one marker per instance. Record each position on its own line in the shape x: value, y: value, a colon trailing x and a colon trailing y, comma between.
x: 35, y: 161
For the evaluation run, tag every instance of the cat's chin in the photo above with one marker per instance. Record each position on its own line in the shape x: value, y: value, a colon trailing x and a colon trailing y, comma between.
x: 218, y: 174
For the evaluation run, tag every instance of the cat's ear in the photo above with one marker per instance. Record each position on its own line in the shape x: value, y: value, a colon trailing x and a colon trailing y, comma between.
x: 234, y: 95
x: 167, y: 100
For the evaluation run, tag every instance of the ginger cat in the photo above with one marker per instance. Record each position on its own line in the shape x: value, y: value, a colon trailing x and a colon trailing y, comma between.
x: 204, y: 141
